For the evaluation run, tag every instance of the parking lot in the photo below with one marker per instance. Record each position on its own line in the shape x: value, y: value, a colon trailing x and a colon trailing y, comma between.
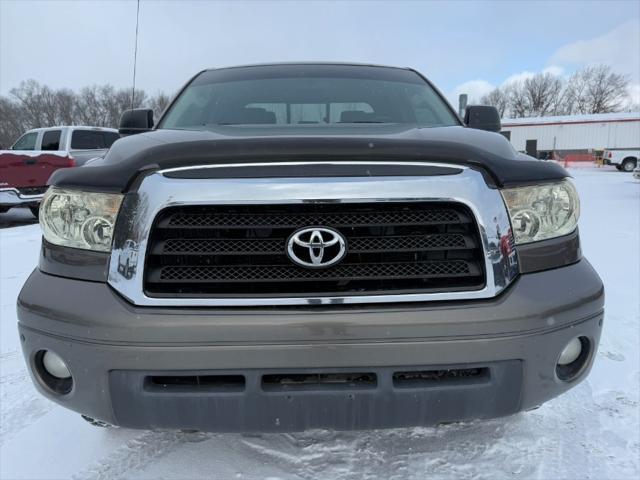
x: 17, y: 217
x: 591, y: 432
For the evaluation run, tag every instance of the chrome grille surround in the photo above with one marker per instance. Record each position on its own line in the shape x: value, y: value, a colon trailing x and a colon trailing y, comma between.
x: 157, y: 192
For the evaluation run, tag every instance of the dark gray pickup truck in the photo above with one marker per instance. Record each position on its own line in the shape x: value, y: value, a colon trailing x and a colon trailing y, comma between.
x: 299, y: 246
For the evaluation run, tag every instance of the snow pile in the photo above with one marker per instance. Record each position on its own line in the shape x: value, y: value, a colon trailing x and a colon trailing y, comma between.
x: 593, y: 431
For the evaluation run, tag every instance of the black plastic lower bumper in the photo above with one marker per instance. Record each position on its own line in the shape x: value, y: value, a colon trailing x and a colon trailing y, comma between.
x: 260, y: 406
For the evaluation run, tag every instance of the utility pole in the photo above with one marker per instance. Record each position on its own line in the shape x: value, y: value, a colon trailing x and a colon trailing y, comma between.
x: 135, y: 58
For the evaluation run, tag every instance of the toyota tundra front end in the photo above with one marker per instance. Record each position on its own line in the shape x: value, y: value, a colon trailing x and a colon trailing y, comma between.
x: 301, y: 246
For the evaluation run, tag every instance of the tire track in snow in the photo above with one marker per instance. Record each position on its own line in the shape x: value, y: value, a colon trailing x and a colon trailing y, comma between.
x: 502, y: 448
x: 309, y: 455
x: 136, y: 454
x: 339, y: 455
x: 7, y: 356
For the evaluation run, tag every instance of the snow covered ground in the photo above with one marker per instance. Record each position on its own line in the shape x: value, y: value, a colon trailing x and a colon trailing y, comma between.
x: 591, y: 432
x: 17, y: 217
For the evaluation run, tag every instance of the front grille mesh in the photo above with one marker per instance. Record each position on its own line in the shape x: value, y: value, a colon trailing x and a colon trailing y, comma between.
x: 240, y: 250
x: 198, y: 220
x: 374, y: 244
x: 276, y: 246
x: 286, y: 273
x: 195, y: 246
x: 32, y: 190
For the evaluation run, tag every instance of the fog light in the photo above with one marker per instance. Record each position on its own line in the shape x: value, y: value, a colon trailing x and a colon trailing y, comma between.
x: 573, y: 359
x: 53, y: 372
x: 54, y: 365
x: 571, y: 352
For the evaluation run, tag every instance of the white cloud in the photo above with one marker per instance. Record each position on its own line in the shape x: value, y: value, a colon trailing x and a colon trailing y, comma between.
x: 474, y: 88
x: 556, y: 70
x: 634, y: 94
x: 517, y: 77
x: 618, y: 48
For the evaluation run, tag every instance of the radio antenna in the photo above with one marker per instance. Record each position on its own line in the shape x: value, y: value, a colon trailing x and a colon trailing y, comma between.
x: 135, y: 58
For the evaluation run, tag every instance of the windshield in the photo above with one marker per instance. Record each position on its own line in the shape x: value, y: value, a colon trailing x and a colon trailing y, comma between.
x: 307, y: 95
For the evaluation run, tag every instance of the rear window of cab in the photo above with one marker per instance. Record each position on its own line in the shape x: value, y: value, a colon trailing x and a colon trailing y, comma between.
x: 92, y: 139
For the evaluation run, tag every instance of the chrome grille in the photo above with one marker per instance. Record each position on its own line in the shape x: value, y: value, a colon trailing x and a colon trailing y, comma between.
x: 235, y: 250
x: 32, y: 190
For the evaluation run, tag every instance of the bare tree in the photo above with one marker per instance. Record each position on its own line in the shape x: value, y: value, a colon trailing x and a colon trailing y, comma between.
x: 518, y: 101
x: 632, y: 106
x: 497, y: 98
x: 593, y: 89
x: 158, y: 103
x: 596, y: 89
x: 32, y: 105
x: 13, y: 121
x: 576, y: 93
x: 29, y: 97
x: 542, y: 93
x: 102, y: 105
x: 539, y: 95
x: 65, y: 104
x: 115, y: 101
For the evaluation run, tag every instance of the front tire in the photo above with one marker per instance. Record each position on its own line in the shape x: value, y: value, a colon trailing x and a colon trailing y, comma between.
x: 628, y: 164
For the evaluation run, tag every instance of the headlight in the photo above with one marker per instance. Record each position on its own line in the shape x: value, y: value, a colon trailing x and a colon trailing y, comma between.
x: 78, y: 219
x: 539, y: 212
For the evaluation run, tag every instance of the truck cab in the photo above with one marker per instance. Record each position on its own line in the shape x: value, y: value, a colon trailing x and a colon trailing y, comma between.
x: 27, y: 165
x: 81, y: 143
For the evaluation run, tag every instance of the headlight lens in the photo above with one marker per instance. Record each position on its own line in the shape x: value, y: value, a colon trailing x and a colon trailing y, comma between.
x: 72, y: 218
x: 540, y: 212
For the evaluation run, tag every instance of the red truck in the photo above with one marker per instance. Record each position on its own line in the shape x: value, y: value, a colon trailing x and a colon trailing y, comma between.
x: 26, y: 167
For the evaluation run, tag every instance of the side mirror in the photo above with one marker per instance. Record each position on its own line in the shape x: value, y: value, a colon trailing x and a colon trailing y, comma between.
x: 482, y: 117
x: 136, y: 121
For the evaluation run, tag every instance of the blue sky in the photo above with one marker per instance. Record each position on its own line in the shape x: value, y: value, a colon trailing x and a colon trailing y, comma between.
x: 460, y: 45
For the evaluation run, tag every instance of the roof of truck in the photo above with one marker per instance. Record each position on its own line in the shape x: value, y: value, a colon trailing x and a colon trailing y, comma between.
x: 345, y: 64
x: 75, y: 127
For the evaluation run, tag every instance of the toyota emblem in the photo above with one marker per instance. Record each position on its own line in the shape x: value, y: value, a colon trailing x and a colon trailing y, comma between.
x: 316, y: 247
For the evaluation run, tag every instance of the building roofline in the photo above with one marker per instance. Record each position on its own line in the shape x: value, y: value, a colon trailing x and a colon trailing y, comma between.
x: 617, y: 117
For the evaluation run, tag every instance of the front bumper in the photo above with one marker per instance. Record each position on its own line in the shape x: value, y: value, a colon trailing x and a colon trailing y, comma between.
x: 113, y: 347
x: 12, y: 197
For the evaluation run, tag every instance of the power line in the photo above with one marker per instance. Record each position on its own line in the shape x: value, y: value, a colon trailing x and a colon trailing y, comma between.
x: 135, y: 57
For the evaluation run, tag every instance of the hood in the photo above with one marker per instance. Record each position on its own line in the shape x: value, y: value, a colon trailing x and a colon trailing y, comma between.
x: 161, y: 149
